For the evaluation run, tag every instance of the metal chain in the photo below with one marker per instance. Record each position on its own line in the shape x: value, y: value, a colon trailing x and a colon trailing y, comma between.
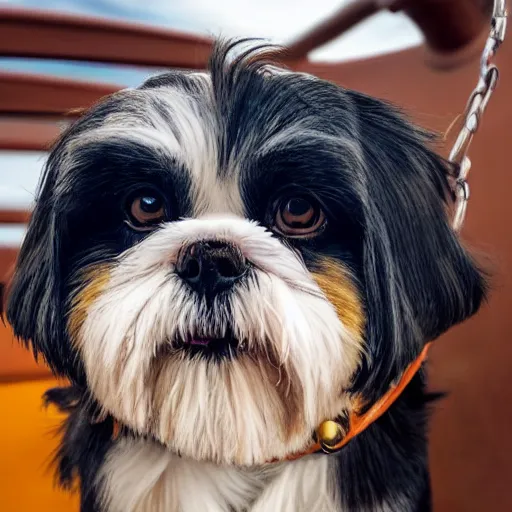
x: 475, y: 108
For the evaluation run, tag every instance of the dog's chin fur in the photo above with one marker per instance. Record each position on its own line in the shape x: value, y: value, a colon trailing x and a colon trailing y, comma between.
x: 312, y: 321
x: 295, y: 355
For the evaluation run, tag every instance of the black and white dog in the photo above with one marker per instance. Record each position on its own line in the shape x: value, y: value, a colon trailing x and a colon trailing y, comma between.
x: 220, y: 261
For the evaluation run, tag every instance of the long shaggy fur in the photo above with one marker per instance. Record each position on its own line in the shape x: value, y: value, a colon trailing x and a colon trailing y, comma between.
x: 312, y: 322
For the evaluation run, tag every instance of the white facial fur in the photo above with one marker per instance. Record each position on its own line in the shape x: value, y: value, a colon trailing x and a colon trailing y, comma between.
x: 259, y: 405
x: 139, y: 476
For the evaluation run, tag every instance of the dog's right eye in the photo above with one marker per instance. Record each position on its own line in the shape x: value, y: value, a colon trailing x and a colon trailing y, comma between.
x: 145, y: 210
x: 299, y: 217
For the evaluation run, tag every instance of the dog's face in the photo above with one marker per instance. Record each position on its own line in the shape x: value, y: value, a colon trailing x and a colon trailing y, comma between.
x: 222, y: 258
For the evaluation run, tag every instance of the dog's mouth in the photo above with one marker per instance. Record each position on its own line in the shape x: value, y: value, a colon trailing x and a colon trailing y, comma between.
x: 203, y: 342
x: 212, y: 346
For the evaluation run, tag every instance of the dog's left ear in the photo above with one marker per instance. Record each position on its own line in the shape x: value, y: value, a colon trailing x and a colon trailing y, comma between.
x: 419, y: 280
x: 34, y: 306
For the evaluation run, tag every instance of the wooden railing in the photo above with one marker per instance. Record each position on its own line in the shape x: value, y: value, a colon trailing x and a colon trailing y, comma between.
x: 55, y: 35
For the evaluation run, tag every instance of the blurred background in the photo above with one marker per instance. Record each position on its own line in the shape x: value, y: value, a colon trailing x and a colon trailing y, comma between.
x: 57, y: 56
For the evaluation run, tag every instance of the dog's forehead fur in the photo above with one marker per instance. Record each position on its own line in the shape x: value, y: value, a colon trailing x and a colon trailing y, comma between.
x: 224, y: 135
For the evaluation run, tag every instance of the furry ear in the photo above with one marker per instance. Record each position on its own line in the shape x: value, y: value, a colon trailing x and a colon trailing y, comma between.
x: 419, y: 280
x: 34, y: 294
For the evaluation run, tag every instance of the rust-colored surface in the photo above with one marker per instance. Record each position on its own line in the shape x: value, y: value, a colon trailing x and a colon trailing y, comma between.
x: 24, y: 94
x: 447, y: 25
x: 57, y: 35
x: 26, y: 135
x: 12, y: 217
x: 7, y: 258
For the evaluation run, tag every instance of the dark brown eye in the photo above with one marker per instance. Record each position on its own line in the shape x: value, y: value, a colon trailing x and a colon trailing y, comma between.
x: 145, y: 211
x: 299, y: 217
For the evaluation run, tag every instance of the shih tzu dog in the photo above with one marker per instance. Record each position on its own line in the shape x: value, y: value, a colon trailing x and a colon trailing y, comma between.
x: 219, y: 262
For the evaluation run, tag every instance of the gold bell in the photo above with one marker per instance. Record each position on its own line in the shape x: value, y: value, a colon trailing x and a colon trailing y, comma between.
x: 329, y: 434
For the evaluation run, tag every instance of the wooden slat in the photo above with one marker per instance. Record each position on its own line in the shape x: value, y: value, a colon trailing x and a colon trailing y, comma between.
x: 27, y: 134
x: 47, y: 34
x: 24, y: 94
x: 14, y: 216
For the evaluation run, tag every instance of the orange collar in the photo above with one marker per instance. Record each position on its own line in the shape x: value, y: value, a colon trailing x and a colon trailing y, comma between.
x: 330, y: 436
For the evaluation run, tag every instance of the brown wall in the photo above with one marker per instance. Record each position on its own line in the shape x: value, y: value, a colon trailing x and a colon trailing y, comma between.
x: 471, y: 441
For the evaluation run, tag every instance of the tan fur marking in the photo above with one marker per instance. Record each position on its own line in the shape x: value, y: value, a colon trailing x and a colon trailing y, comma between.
x: 337, y: 284
x: 96, y: 280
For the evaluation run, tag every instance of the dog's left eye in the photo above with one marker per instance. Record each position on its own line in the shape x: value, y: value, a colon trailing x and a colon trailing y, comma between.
x: 145, y: 210
x: 299, y: 217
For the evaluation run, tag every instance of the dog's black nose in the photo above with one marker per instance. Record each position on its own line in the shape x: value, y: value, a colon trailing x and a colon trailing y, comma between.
x: 211, y: 267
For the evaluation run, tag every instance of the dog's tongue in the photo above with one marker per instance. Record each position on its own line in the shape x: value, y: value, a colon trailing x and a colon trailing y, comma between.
x: 200, y: 341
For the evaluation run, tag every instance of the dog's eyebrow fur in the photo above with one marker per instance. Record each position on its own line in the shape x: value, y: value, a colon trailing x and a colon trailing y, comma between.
x: 121, y: 155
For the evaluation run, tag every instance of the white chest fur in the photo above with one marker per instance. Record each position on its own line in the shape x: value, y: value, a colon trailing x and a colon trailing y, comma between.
x: 139, y: 476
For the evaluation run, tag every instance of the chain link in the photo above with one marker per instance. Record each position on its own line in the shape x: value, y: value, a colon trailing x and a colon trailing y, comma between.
x: 475, y: 107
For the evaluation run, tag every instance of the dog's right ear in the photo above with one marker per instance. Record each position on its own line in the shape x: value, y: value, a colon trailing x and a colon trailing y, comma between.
x: 34, y: 307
